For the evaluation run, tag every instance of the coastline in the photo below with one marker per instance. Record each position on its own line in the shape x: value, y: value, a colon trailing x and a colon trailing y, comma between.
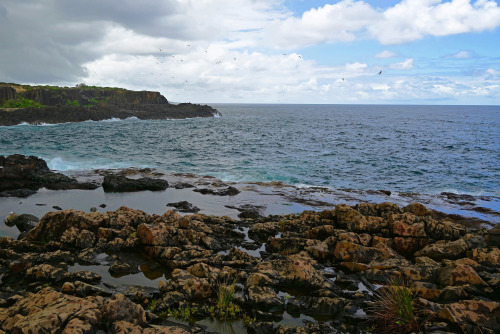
x: 294, y: 258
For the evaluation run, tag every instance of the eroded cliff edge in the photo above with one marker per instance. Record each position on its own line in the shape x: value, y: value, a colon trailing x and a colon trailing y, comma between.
x: 50, y: 104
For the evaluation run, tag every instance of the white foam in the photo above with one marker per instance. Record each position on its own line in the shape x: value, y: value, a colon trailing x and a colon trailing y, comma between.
x: 60, y: 164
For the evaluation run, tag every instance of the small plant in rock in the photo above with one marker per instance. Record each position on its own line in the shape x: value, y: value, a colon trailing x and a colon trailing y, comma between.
x: 225, y: 309
x: 186, y: 314
x: 395, y: 310
x: 21, y: 103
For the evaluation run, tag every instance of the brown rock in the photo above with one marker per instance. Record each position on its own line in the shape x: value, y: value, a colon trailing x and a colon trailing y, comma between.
x: 350, y: 252
x: 193, y: 287
x: 459, y: 274
x: 486, y: 256
x: 49, y: 311
x: 264, y: 297
x: 444, y: 250
x: 119, y: 307
x: 473, y: 315
x: 416, y: 209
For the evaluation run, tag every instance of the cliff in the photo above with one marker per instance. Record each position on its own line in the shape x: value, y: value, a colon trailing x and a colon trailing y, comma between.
x: 50, y: 104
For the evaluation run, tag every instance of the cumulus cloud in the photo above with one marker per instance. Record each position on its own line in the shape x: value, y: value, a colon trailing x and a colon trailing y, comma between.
x: 386, y: 54
x: 229, y: 50
x: 413, y: 19
x: 462, y: 55
x: 405, y: 65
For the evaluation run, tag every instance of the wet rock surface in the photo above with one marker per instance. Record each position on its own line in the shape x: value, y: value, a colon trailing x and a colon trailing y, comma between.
x: 121, y: 183
x: 21, y: 176
x: 314, y: 272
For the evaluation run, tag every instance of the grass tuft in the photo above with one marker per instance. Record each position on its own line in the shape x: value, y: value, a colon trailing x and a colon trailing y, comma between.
x: 395, y: 310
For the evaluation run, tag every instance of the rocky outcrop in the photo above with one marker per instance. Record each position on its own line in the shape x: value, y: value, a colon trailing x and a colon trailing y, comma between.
x: 331, y: 265
x: 77, y: 104
x: 29, y: 172
x: 120, y: 183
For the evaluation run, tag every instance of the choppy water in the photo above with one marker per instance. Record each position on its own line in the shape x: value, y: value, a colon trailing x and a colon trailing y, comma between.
x: 422, y: 149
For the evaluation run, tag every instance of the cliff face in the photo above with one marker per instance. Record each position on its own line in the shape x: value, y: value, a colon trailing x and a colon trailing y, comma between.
x: 7, y: 93
x: 57, y: 96
x: 81, y: 103
x: 52, y: 97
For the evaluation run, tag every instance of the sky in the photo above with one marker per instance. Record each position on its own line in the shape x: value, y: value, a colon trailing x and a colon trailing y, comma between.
x: 260, y: 51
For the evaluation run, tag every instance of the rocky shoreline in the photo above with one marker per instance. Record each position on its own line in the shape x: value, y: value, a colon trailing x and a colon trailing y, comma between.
x: 325, y: 271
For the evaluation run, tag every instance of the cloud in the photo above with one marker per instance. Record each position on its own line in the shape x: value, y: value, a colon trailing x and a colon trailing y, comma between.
x: 411, y: 20
x: 462, y: 55
x: 405, y: 65
x: 330, y: 23
x: 386, y: 54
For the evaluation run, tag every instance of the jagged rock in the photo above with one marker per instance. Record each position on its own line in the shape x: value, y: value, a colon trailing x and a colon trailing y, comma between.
x: 24, y: 222
x: 119, y: 267
x: 249, y: 211
x: 473, y: 315
x: 459, y: 274
x: 443, y: 249
x: 486, y: 256
x: 184, y: 206
x: 49, y: 311
x: 120, y: 308
x: 351, y: 252
x: 119, y: 183
x: 264, y: 229
x: 203, y: 270
x: 494, y: 236
x: 19, y: 172
x: 444, y: 230
x: 229, y: 191
x: 264, y: 297
x: 193, y: 287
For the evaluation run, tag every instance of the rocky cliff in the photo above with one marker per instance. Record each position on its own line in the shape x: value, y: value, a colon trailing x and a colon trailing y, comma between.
x: 81, y: 103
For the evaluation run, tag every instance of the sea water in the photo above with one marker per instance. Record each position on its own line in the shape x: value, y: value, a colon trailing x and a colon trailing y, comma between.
x: 418, y: 149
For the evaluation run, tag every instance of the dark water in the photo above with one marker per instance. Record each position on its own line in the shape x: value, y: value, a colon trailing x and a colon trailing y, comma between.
x: 421, y: 149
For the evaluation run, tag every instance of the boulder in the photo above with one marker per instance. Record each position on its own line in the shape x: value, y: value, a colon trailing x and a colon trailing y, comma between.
x: 184, y: 206
x: 494, y: 236
x: 120, y: 183
x: 443, y: 249
x: 472, y: 315
x: 120, y: 308
x: 489, y: 257
x: 249, y: 211
x: 49, y: 311
x: 24, y: 222
x: 459, y: 274
x: 19, y: 172
x: 351, y: 252
x: 264, y: 297
x: 191, y: 286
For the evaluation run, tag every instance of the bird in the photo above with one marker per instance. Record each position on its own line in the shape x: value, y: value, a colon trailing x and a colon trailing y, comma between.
x: 300, y: 57
x: 379, y: 73
x: 342, y: 79
x: 189, y: 45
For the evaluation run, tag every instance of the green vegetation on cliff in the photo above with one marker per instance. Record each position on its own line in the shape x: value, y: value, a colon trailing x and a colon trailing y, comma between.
x: 21, y: 103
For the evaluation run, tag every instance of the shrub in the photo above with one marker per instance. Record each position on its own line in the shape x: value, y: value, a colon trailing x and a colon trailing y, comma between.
x: 395, y: 310
x: 73, y: 103
x: 21, y: 103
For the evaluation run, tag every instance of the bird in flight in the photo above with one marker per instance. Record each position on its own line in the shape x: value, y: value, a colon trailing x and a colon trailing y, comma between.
x: 379, y: 73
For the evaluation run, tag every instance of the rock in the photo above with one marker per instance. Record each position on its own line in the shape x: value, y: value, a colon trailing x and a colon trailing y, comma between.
x: 193, y: 287
x: 229, y: 191
x: 459, y: 274
x: 203, y: 270
x: 351, y: 252
x: 85, y: 239
x: 473, y: 315
x: 264, y: 297
x: 494, y: 236
x: 444, y: 250
x: 184, y: 206
x: 249, y: 211
x: 416, y: 209
x: 183, y: 185
x: 21, y: 193
x: 49, y: 311
x: 20, y: 172
x: 486, y: 256
x: 444, y: 230
x: 119, y: 267
x: 24, y: 222
x: 118, y: 183
x: 119, y: 308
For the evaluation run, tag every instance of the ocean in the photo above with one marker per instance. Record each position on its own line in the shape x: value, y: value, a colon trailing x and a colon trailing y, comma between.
x: 417, y: 149
x: 446, y: 157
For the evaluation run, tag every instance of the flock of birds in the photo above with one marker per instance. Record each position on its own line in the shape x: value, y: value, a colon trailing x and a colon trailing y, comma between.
x: 160, y: 59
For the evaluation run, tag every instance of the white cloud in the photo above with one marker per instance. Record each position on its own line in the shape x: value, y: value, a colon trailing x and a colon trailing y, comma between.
x: 413, y: 19
x: 405, y: 65
x: 462, y: 55
x: 386, y: 54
